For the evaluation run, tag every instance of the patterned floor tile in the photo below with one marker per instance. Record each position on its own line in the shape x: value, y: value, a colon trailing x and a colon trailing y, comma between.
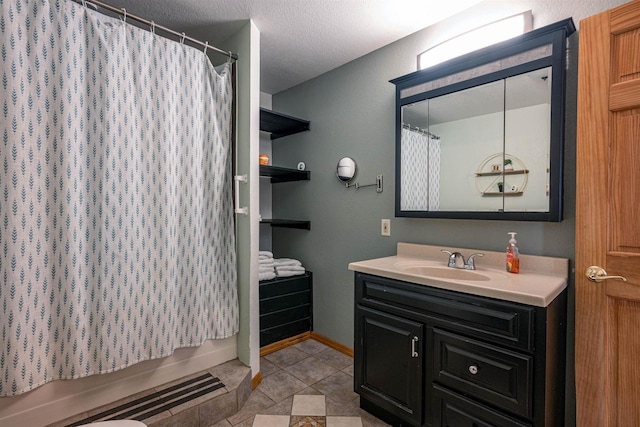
x: 306, y: 421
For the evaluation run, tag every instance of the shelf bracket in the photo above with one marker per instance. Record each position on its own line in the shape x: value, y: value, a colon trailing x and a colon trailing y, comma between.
x: 378, y: 184
x: 237, y: 180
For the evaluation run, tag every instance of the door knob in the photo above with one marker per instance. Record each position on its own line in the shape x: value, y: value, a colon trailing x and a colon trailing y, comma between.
x: 597, y: 274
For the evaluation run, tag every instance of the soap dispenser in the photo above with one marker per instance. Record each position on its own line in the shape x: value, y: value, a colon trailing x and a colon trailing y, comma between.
x: 513, y: 255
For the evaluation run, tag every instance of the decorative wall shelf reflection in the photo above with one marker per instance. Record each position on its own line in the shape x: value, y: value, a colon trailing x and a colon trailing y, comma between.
x: 494, y: 178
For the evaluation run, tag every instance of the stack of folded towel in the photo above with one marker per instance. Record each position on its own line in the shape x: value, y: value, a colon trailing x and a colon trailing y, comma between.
x: 266, y: 265
x: 270, y: 268
x: 286, y: 267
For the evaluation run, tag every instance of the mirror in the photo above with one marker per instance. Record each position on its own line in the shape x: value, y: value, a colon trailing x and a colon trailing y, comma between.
x: 346, y: 169
x: 485, y: 140
x: 476, y: 131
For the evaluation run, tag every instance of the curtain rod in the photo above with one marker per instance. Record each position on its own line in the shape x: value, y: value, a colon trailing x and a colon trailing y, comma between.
x: 123, y: 12
x: 417, y: 129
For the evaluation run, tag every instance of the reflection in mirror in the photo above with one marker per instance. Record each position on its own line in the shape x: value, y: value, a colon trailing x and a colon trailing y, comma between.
x: 528, y: 137
x: 446, y: 142
x: 346, y: 169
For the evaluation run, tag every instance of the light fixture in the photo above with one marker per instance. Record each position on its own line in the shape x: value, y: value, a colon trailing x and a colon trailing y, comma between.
x: 477, y: 38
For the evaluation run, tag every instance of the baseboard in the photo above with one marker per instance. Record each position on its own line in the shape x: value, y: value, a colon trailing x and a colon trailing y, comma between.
x: 333, y: 344
x: 255, y: 381
x: 272, y: 348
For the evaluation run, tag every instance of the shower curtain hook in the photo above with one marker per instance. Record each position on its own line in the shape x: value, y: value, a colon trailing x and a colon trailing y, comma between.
x: 84, y: 3
x: 206, y: 46
x: 182, y: 39
x: 153, y: 28
x: 124, y: 15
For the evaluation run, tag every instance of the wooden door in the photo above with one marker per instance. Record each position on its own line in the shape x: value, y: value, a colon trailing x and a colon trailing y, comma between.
x: 607, y: 351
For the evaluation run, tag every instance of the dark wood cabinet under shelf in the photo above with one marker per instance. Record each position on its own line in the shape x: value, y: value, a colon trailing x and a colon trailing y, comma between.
x: 280, y: 174
x: 286, y: 307
x: 287, y: 223
x: 280, y: 125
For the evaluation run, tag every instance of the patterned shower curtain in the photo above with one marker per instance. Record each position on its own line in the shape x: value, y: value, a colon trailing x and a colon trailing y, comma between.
x: 420, y: 173
x: 116, y: 224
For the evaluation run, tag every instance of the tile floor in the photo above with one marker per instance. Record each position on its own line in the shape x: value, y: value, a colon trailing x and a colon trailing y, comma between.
x: 305, y: 385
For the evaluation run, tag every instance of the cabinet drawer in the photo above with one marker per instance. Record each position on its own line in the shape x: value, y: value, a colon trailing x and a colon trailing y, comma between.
x: 488, y: 373
x: 453, y: 410
x: 283, y: 302
x: 287, y: 315
x: 282, y: 286
x: 498, y: 321
x: 281, y: 332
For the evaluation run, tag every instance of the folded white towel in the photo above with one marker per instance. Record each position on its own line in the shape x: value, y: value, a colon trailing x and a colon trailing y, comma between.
x: 286, y: 261
x: 266, y: 254
x: 266, y: 276
x: 262, y: 269
x: 289, y: 273
x: 290, y: 268
x: 266, y: 263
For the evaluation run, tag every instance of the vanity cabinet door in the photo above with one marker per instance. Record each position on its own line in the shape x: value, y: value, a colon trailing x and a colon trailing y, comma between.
x: 389, y: 364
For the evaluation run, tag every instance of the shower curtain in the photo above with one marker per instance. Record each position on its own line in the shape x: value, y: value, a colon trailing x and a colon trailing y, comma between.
x: 420, y: 176
x: 116, y: 222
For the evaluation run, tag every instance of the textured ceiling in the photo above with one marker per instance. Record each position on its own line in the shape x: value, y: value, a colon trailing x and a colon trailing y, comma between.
x: 300, y: 39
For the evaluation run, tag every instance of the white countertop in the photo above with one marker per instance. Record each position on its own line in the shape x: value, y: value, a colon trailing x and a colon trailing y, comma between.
x: 540, y: 281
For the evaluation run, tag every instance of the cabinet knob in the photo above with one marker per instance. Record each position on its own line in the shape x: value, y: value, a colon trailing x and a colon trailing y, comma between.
x: 473, y: 369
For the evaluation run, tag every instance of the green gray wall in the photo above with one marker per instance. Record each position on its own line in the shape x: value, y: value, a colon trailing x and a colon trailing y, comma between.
x: 352, y: 114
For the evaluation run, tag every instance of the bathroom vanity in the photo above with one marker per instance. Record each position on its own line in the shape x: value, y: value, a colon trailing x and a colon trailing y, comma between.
x: 440, y: 346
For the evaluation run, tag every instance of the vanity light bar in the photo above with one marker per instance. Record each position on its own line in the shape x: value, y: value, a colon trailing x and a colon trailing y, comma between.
x: 477, y: 38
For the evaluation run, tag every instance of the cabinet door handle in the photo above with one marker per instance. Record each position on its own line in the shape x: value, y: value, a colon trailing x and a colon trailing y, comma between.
x: 473, y: 369
x: 414, y: 352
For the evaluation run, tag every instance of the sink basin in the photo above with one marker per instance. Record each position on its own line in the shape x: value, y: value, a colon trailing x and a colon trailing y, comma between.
x: 446, y: 273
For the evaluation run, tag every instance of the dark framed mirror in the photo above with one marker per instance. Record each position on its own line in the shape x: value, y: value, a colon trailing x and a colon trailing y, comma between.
x: 482, y: 136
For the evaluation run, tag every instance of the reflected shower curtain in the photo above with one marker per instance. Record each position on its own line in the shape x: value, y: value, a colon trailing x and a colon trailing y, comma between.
x: 420, y: 173
x: 116, y: 222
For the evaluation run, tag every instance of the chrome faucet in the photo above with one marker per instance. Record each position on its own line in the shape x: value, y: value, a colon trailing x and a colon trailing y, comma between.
x: 456, y: 260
